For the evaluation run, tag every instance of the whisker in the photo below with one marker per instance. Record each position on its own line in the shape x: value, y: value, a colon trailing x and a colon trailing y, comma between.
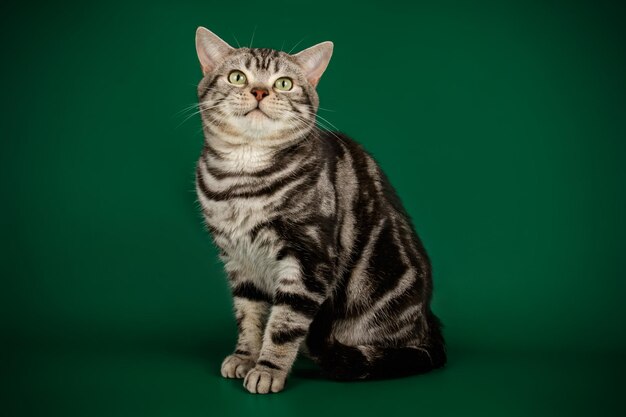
x: 294, y: 47
x: 188, y: 117
x: 197, y: 112
x: 314, y: 108
x: 236, y: 40
x: 201, y: 106
x: 192, y: 106
x: 325, y: 120
x: 252, y: 39
x: 318, y: 125
x: 328, y: 122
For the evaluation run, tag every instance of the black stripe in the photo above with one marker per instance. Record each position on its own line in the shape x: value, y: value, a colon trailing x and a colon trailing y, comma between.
x: 315, y: 284
x: 268, y: 364
x: 265, y: 57
x: 282, y: 337
x: 387, y: 267
x: 216, y: 172
x: 276, y: 223
x: 392, y: 327
x: 260, y: 192
x: 282, y: 159
x: 293, y: 107
x: 208, y: 88
x: 395, y: 306
x: 296, y: 193
x: 306, y: 96
x: 248, y: 291
x: 283, y: 252
x: 300, y: 303
x: 209, y: 150
x: 345, y: 145
x: 316, y: 273
x: 242, y: 352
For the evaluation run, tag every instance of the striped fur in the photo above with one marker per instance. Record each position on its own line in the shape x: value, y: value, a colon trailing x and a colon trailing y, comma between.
x: 318, y: 249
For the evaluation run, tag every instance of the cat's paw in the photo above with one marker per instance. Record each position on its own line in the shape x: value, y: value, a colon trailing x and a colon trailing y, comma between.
x: 262, y: 380
x: 236, y: 366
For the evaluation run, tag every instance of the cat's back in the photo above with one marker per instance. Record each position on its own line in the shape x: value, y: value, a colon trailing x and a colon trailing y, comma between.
x: 365, y: 195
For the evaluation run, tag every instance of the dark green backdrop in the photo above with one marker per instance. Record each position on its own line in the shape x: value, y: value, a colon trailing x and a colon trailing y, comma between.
x: 500, y: 123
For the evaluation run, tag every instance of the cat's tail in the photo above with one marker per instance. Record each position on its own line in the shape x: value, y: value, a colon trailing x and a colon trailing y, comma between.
x: 348, y: 363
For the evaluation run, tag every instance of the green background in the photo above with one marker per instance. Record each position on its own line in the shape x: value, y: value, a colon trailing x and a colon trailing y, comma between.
x: 501, y: 124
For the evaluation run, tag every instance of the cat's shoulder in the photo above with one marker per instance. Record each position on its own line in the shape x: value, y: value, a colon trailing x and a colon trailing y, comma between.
x: 339, y: 143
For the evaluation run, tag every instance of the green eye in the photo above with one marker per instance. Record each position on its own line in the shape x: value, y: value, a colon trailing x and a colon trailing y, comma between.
x: 283, y: 84
x: 237, y: 78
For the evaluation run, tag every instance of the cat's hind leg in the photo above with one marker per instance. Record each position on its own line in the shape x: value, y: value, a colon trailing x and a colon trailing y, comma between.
x: 374, y: 360
x: 348, y: 363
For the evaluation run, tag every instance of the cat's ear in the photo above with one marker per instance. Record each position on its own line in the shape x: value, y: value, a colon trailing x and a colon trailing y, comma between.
x: 314, y: 60
x: 211, y: 49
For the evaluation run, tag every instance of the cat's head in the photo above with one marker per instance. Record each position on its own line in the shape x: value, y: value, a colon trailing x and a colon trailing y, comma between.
x: 261, y: 95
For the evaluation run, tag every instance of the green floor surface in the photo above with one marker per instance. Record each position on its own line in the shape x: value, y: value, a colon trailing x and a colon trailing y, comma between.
x: 160, y: 379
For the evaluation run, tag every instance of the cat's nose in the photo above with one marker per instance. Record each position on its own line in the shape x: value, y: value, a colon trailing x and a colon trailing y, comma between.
x: 259, y: 93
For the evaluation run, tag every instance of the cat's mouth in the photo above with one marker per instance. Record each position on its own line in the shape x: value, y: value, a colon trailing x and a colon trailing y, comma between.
x: 256, y: 112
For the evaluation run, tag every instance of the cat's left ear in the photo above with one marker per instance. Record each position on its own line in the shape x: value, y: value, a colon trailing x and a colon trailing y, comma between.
x: 314, y: 60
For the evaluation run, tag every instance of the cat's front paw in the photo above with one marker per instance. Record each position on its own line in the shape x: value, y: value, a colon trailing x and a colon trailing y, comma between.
x: 262, y: 380
x: 236, y: 366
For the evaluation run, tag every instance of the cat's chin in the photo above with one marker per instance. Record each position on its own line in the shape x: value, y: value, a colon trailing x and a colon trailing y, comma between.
x: 255, y: 122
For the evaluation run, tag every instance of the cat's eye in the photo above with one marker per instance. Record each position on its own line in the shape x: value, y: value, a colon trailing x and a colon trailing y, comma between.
x: 237, y: 78
x: 283, y: 84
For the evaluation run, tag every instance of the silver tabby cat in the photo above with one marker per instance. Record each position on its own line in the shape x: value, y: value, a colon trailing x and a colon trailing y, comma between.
x: 321, y: 256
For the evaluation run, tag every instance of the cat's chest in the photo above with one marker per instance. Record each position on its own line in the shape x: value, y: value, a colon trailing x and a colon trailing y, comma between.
x: 248, y: 251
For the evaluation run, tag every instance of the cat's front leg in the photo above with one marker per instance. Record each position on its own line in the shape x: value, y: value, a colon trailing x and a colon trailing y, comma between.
x: 250, y: 312
x: 297, y: 299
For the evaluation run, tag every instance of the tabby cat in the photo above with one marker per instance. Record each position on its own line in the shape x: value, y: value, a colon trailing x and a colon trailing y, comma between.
x: 320, y: 254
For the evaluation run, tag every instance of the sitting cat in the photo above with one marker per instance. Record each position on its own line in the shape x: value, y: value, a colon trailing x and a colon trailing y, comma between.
x: 319, y: 252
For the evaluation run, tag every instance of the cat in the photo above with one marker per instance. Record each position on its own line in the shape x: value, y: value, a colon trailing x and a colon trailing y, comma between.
x: 320, y: 254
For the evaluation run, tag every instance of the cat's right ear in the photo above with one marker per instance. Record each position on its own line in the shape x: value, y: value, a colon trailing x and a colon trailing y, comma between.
x: 211, y: 49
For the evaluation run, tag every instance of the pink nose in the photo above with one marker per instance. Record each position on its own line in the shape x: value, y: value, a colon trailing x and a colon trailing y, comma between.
x: 260, y: 93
